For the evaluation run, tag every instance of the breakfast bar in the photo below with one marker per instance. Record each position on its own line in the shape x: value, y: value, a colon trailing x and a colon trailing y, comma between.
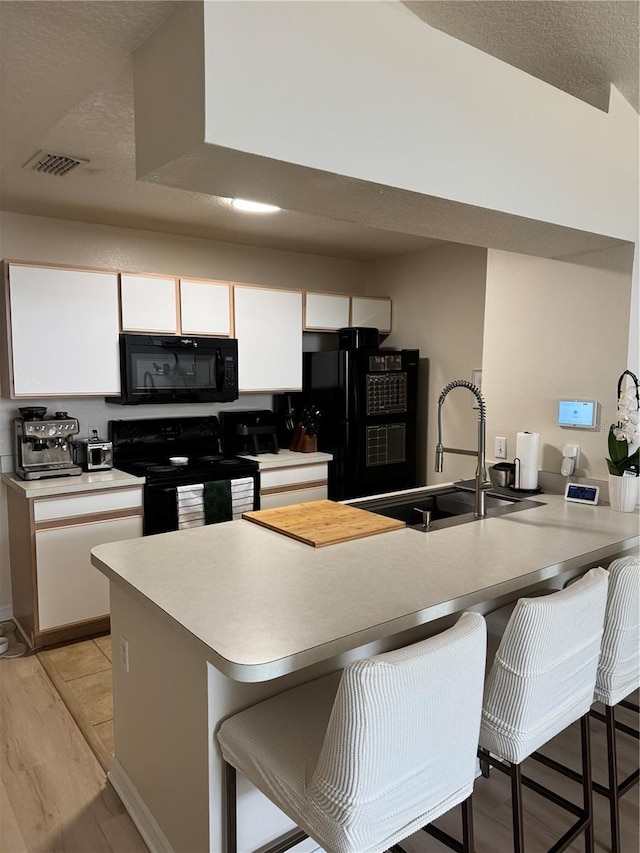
x: 208, y: 621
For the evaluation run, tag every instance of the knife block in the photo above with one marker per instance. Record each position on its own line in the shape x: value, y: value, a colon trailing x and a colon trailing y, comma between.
x: 302, y: 442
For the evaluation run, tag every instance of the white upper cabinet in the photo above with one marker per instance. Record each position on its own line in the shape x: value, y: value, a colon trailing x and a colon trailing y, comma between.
x: 63, y: 333
x: 205, y: 307
x: 371, y: 311
x: 169, y: 306
x: 268, y: 326
x: 149, y: 303
x: 326, y: 312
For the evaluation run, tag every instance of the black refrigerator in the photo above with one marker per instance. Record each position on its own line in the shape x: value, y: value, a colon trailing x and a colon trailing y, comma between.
x: 368, y: 404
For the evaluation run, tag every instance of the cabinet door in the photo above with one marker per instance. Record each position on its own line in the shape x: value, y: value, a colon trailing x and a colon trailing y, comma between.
x: 70, y: 589
x: 326, y: 311
x: 371, y: 311
x: 63, y: 332
x: 205, y: 307
x: 149, y: 303
x: 268, y: 326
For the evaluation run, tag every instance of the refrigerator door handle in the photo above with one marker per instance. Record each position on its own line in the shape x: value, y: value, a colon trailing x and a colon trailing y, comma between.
x: 355, y: 391
x: 356, y: 429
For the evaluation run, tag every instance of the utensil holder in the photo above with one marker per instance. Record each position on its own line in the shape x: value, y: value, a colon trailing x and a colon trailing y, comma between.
x: 302, y: 442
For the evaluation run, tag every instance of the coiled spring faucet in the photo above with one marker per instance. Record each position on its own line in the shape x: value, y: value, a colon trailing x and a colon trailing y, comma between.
x: 482, y: 482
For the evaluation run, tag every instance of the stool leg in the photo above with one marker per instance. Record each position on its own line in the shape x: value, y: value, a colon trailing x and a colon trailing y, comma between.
x: 612, y: 762
x: 483, y: 756
x: 515, y: 772
x: 230, y: 808
x: 467, y: 825
x: 587, y: 791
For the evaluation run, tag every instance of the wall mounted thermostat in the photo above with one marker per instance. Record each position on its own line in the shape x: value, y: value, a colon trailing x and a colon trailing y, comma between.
x: 581, y: 494
x: 578, y: 414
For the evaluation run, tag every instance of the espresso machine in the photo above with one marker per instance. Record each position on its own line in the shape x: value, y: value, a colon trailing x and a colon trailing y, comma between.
x: 43, y: 445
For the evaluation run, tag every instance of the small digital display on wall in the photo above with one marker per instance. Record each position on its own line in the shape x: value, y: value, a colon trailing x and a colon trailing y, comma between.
x: 579, y: 414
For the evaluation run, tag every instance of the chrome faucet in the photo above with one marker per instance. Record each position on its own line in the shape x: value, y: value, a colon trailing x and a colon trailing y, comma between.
x: 482, y: 482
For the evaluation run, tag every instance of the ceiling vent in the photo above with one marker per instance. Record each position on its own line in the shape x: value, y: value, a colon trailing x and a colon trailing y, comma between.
x: 53, y: 164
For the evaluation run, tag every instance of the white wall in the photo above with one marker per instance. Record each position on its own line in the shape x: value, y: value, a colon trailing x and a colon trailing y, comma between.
x: 414, y: 108
x: 555, y: 329
x: 438, y: 306
x: 32, y: 238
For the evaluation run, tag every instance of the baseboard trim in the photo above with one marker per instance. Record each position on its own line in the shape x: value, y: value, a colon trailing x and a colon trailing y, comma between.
x: 137, y: 809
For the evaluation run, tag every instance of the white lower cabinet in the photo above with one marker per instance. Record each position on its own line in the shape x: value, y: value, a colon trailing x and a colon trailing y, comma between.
x: 70, y: 589
x: 57, y: 594
x: 293, y: 496
x: 289, y: 477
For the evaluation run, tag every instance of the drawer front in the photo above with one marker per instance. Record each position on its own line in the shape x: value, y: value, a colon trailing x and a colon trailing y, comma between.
x: 87, y: 503
x: 295, y: 496
x: 293, y: 476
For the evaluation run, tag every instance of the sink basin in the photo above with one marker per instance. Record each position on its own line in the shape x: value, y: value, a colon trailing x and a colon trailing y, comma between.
x: 449, y: 506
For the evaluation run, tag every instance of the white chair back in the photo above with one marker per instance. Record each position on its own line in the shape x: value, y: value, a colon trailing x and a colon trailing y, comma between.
x: 402, y: 738
x: 619, y: 666
x: 544, y: 672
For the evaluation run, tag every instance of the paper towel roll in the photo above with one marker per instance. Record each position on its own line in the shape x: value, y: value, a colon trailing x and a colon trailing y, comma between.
x: 527, y: 450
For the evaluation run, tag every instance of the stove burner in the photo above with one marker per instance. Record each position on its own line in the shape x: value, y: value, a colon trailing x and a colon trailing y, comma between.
x: 163, y: 469
x: 216, y: 457
x: 230, y: 461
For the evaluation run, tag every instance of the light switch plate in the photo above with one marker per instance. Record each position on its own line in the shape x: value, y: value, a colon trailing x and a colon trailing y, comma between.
x: 500, y: 447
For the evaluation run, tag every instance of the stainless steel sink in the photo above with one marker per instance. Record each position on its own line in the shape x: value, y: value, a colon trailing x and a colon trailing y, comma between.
x: 446, y: 507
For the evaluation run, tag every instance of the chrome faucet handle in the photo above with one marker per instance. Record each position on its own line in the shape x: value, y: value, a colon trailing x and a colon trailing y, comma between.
x: 426, y: 517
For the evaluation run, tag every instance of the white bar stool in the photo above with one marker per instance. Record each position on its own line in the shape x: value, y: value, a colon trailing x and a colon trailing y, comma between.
x: 362, y: 759
x: 618, y: 676
x: 542, y: 680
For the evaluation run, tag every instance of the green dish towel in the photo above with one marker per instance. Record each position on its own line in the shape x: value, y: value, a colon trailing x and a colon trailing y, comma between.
x: 216, y: 497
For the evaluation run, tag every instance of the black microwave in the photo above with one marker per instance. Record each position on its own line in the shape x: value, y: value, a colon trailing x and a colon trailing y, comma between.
x: 177, y: 369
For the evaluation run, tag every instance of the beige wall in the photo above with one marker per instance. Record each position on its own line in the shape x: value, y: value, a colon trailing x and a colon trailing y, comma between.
x: 438, y: 306
x: 555, y: 329
x: 59, y: 241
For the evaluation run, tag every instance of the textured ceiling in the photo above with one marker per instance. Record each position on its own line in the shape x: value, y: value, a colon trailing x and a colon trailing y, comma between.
x: 66, y: 86
x: 579, y: 46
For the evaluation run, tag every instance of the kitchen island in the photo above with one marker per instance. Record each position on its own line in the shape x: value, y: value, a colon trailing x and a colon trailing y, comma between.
x: 211, y: 620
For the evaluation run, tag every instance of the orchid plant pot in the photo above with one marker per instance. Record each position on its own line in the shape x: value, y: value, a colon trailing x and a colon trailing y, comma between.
x: 623, y: 493
x: 623, y: 444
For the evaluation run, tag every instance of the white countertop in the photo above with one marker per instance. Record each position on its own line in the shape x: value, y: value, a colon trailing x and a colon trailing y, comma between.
x: 50, y: 486
x: 288, y: 459
x: 260, y: 604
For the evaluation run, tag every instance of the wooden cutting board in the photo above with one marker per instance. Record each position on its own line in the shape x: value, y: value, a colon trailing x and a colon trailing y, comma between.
x: 321, y: 523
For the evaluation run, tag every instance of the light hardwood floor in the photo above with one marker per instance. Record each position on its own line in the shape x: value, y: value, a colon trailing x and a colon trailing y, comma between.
x: 54, y: 795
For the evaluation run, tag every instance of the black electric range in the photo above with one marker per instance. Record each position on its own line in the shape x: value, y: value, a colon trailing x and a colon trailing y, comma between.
x: 174, y: 452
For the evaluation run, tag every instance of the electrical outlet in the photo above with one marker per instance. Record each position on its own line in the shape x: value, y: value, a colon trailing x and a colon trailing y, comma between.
x: 124, y: 652
x: 93, y: 428
x: 500, y: 447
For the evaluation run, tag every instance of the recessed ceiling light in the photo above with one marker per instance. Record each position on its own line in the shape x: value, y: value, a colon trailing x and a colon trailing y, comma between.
x: 253, y: 206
